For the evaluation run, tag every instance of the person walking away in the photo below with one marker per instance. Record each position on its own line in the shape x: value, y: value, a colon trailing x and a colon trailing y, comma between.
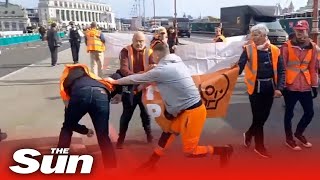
x: 75, y: 35
x: 53, y: 43
x: 264, y: 77
x: 42, y: 32
x: 95, y: 42
x: 172, y: 40
x: 300, y: 60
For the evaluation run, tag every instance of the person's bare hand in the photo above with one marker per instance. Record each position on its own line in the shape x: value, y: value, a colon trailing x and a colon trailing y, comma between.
x: 116, y: 99
x: 277, y: 93
x: 110, y: 80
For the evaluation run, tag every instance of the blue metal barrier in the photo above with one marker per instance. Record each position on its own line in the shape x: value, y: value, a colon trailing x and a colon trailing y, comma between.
x: 23, y: 38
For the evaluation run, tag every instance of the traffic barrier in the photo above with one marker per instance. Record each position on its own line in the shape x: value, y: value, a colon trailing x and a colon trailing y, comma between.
x: 23, y: 38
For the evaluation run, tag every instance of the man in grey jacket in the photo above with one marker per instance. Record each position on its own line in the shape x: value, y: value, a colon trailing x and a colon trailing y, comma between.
x: 183, y: 106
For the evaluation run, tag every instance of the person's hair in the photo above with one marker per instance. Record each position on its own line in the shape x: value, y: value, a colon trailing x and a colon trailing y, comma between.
x: 261, y: 28
x: 53, y: 25
x: 161, y: 47
x: 93, y: 24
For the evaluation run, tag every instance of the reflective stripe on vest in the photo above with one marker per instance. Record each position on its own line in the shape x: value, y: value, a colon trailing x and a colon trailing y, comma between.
x: 94, y: 42
x: 252, y: 65
x: 66, y: 72
x: 131, y: 59
x: 296, y: 65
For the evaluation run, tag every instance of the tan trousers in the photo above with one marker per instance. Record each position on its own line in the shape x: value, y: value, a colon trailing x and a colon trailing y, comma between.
x: 97, y: 60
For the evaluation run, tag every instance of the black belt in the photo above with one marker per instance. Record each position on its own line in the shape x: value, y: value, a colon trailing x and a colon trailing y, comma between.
x: 198, y: 104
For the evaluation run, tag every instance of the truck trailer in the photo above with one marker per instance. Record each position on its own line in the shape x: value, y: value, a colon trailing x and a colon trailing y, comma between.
x: 237, y: 20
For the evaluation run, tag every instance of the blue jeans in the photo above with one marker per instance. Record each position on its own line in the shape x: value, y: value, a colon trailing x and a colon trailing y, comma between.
x: 94, y: 101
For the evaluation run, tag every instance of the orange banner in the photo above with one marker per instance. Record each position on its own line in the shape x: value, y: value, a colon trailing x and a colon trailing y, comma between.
x: 215, y: 88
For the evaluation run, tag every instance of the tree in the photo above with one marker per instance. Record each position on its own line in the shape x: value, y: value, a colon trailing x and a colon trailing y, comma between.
x: 190, y: 17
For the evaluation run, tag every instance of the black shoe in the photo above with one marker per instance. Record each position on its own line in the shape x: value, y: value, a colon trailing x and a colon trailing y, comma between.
x: 53, y: 65
x: 120, y: 142
x: 149, y: 138
x: 247, y: 140
x: 75, y: 62
x: 3, y: 136
x: 262, y: 152
x: 292, y: 144
x: 225, y: 156
x: 303, y: 140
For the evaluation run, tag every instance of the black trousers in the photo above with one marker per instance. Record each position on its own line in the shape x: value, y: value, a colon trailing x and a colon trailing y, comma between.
x: 54, y: 55
x: 260, y: 105
x: 305, y: 99
x: 75, y: 48
x: 129, y: 106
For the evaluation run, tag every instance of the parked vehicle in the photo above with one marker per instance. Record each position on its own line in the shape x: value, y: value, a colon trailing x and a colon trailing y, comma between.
x: 236, y: 21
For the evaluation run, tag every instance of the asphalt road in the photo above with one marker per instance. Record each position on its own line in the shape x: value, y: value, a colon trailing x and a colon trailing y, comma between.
x: 199, y: 38
x: 16, y: 57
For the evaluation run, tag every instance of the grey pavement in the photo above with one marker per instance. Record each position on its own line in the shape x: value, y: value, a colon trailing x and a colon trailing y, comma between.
x: 32, y: 108
x: 15, y: 57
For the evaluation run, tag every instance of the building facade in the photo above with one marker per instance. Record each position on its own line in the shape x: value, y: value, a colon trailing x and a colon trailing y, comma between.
x: 33, y: 15
x: 13, y: 17
x: 157, y: 21
x: 309, y: 6
x: 82, y: 12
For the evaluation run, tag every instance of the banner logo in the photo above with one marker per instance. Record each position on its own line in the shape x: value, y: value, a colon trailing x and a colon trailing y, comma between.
x: 211, y: 94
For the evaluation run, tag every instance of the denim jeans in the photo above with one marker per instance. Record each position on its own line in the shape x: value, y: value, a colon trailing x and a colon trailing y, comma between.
x: 94, y: 101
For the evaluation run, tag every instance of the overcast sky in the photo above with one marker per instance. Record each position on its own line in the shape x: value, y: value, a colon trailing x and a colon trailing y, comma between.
x: 122, y: 8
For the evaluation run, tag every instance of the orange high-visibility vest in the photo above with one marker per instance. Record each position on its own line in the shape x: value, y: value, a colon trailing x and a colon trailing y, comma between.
x: 94, y: 42
x: 66, y: 72
x: 251, y: 67
x: 296, y: 66
x: 146, y: 52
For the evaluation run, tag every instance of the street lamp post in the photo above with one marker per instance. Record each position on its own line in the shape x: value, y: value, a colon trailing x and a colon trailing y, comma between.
x: 315, y: 22
x: 175, y: 17
x: 154, y: 12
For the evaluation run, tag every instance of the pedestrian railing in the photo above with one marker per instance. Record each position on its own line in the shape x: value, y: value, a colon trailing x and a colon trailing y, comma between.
x: 22, y: 38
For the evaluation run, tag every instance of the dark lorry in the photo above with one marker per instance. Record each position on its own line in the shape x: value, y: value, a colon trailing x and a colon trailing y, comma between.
x: 236, y: 21
x: 183, y: 26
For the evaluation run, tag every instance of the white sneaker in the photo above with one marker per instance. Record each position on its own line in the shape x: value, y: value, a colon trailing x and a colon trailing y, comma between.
x: 304, y: 141
x: 292, y: 145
